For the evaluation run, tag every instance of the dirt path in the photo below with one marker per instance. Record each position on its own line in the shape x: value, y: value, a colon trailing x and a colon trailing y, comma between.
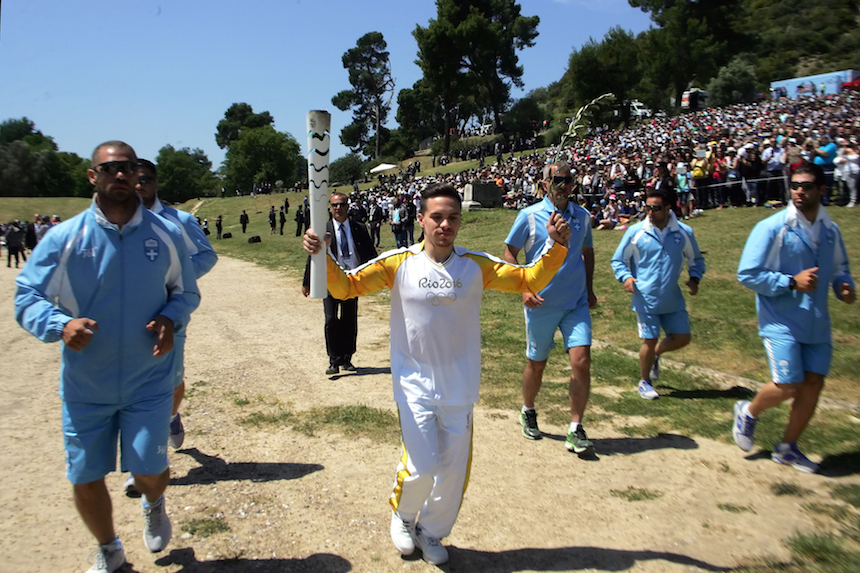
x: 299, y: 503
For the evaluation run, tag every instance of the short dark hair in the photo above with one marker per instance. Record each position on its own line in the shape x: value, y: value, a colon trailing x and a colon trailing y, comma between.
x: 816, y: 171
x: 439, y: 190
x: 661, y: 193
x: 149, y: 165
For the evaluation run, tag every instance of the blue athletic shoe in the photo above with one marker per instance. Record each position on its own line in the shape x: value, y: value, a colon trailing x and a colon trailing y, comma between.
x: 789, y: 455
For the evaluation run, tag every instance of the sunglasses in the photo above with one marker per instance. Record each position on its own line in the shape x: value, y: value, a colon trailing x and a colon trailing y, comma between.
x: 561, y: 179
x: 339, y: 204
x: 652, y: 208
x: 145, y: 180
x: 807, y: 186
x: 114, y: 167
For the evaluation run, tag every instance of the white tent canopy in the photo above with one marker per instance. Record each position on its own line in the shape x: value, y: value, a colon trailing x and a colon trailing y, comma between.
x: 382, y: 167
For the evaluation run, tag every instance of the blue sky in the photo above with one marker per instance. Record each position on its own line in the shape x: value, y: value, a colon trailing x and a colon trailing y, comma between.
x: 157, y: 72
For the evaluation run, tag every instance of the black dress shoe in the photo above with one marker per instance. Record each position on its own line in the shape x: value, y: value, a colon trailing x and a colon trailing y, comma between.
x: 332, y: 369
x: 348, y: 366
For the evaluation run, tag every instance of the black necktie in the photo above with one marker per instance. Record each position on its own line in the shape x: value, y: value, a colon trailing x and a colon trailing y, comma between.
x: 344, y: 243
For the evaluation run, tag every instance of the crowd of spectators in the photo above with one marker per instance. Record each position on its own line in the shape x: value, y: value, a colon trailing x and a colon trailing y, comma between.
x: 735, y: 156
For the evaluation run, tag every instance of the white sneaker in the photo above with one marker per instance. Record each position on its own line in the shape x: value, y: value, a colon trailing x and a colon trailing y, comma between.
x: 743, y: 428
x: 647, y: 391
x: 789, y: 455
x: 157, y: 529
x: 108, y: 558
x: 403, y: 534
x: 432, y: 549
x: 851, y: 204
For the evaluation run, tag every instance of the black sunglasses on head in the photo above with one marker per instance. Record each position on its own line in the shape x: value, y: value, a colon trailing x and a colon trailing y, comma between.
x: 114, y: 167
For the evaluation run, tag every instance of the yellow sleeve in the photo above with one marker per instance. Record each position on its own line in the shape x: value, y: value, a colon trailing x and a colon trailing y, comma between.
x: 499, y: 275
x: 366, y: 279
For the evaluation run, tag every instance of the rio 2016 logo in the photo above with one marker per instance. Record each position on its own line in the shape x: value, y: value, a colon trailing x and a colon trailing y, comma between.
x: 439, y: 283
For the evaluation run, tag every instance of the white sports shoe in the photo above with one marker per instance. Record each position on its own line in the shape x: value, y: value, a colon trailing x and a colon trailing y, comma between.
x: 108, y: 558
x: 743, y: 428
x: 432, y: 549
x: 403, y: 534
x: 157, y: 530
x: 647, y: 391
x: 789, y: 455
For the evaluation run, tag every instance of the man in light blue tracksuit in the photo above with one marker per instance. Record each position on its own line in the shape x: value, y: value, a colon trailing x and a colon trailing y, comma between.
x: 648, y: 262
x: 563, y: 305
x: 113, y: 283
x: 203, y: 258
x: 784, y: 257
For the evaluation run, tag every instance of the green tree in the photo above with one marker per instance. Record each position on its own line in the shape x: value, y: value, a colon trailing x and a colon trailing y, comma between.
x: 485, y: 36
x: 524, y: 118
x: 261, y: 155
x: 77, y: 167
x: 419, y: 114
x: 29, y: 163
x: 735, y: 82
x: 237, y: 118
x: 610, y: 66
x: 692, y: 40
x: 370, y: 96
x: 442, y: 95
x: 183, y: 174
x: 346, y: 169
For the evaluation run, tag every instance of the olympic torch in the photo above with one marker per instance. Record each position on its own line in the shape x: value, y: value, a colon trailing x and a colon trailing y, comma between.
x: 319, y: 141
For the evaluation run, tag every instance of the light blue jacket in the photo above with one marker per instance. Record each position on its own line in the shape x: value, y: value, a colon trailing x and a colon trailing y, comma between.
x: 656, y: 264
x: 203, y: 256
x: 122, y: 279
x: 778, y: 249
x: 567, y: 289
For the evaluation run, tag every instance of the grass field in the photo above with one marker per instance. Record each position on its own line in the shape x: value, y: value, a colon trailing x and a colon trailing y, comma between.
x: 23, y: 208
x: 724, y: 339
x: 722, y: 315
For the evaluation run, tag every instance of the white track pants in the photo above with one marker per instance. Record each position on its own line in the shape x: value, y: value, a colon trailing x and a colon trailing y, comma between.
x: 434, y: 467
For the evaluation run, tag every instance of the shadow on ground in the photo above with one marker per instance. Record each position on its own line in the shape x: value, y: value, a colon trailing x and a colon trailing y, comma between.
x: 563, y: 559
x: 213, y: 469
x: 316, y: 563
x: 612, y: 446
x: 734, y: 393
x: 840, y: 465
x: 360, y: 371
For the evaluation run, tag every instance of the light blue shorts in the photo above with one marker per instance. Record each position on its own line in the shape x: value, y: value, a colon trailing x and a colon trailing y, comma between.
x: 671, y: 323
x: 541, y: 324
x: 790, y: 360
x: 90, y: 433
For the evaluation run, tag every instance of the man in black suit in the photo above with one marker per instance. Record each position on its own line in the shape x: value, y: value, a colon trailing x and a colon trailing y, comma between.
x: 352, y: 247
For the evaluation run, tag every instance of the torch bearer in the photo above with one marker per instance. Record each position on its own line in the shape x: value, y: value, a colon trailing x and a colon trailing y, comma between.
x: 319, y: 127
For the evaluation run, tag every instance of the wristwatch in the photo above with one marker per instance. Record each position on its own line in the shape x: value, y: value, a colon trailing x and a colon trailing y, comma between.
x: 792, y: 284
